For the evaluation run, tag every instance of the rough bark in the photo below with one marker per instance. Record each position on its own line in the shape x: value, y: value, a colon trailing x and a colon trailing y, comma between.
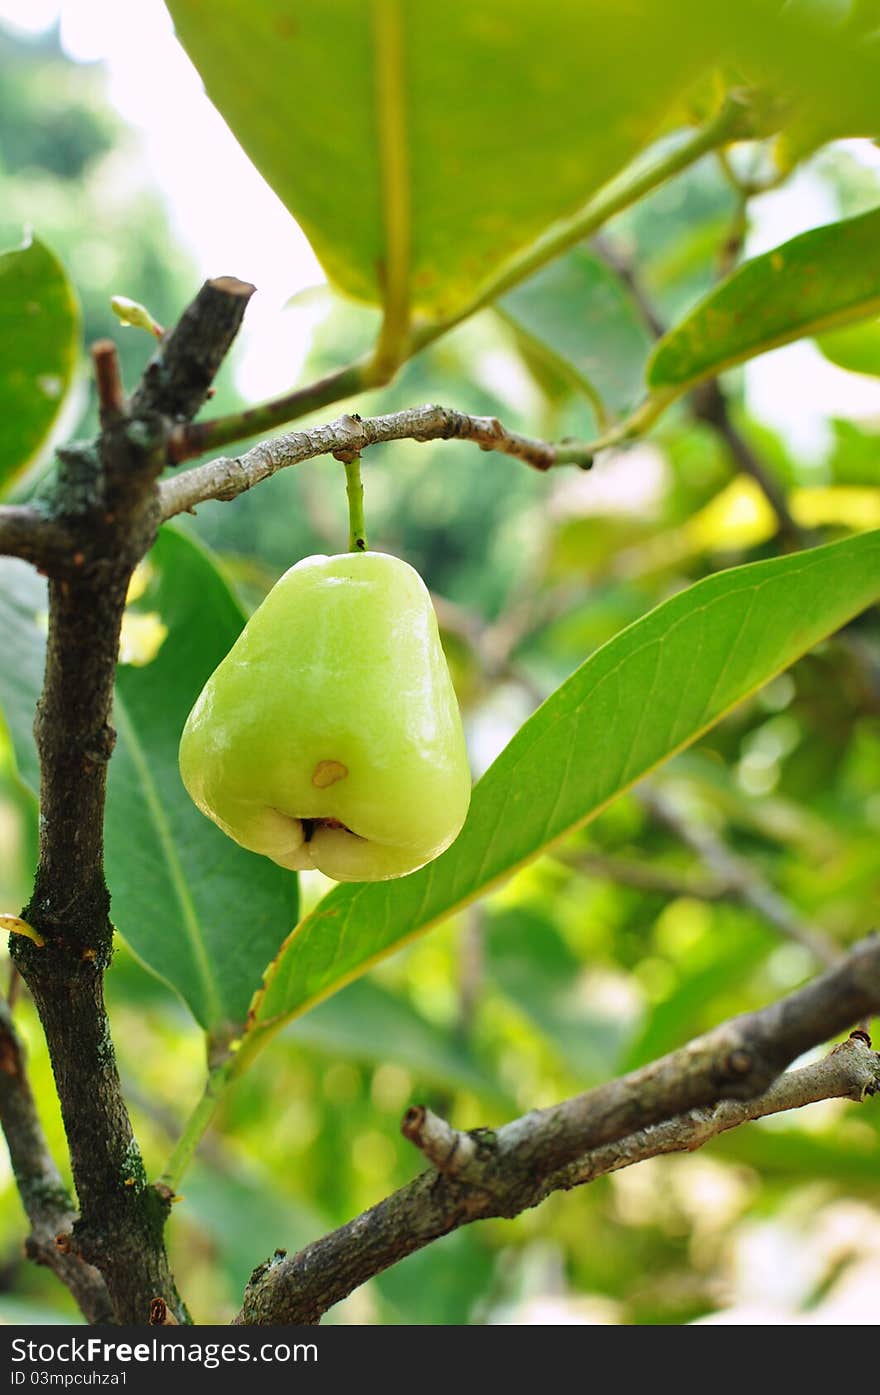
x: 105, y: 501
x: 488, y: 1173
x: 44, y: 1196
x: 349, y: 436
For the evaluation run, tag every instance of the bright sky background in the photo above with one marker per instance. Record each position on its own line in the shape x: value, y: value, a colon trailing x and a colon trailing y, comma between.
x: 231, y: 222
x: 222, y: 210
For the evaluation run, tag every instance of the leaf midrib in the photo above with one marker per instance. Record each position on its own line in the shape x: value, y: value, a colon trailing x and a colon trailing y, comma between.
x: 388, y: 31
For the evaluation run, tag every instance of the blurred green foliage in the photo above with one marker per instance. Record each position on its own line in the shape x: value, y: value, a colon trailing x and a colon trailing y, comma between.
x: 572, y: 971
x: 65, y: 169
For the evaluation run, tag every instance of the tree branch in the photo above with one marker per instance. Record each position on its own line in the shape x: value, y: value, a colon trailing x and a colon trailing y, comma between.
x: 32, y: 535
x: 643, y: 876
x: 199, y: 437
x: 504, y: 1172
x: 709, y: 405
x: 349, y: 436
x: 181, y: 371
x: 850, y: 1071
x: 108, y: 381
x: 43, y: 1194
x: 106, y: 500
x: 739, y: 880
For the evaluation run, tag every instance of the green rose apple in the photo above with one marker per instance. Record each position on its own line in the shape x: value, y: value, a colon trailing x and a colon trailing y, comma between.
x: 330, y: 735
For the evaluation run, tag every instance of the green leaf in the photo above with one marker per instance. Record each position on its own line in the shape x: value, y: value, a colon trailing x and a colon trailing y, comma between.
x: 646, y: 694
x: 365, y: 1022
x: 39, y: 350
x: 812, y: 55
x: 578, y: 313
x: 23, y: 612
x: 822, y: 278
x: 199, y: 911
x: 856, y: 348
x: 421, y: 145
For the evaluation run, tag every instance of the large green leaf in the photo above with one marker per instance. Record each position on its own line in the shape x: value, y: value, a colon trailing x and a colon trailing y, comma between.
x: 199, y: 911
x: 423, y: 143
x: 420, y: 145
x: 578, y: 313
x: 822, y: 278
x: 39, y: 348
x: 813, y: 62
x: 645, y: 695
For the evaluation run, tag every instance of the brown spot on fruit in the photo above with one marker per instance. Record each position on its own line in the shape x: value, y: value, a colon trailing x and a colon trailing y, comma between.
x: 327, y: 772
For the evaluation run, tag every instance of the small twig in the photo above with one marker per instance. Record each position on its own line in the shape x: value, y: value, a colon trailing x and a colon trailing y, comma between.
x: 732, y: 246
x: 731, y: 879
x: 708, y: 402
x: 44, y: 1196
x: 226, y: 478
x: 199, y: 437
x: 493, y: 642
x: 471, y: 970
x: 624, y: 269
x: 188, y: 1140
x: 13, y: 987
x: 108, y: 380
x: 850, y: 1071
x: 732, y: 122
x: 446, y: 1149
x: 748, y: 186
x: 739, y: 880
x: 645, y: 876
x: 179, y: 375
x: 516, y: 1166
x: 709, y: 405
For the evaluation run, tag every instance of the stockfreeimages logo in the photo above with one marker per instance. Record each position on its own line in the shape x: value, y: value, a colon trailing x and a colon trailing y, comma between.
x: 94, y: 1351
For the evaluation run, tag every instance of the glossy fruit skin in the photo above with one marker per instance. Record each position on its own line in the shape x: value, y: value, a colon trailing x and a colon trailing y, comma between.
x: 335, y: 705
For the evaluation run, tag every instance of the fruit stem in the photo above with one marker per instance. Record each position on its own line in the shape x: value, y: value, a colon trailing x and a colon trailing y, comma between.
x: 357, y: 533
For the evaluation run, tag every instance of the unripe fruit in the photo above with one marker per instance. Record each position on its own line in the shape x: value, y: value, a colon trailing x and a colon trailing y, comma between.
x: 330, y: 735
